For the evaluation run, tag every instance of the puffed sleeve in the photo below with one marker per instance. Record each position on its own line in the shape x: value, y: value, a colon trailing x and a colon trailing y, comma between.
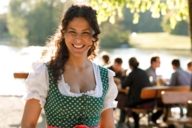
x: 109, y: 101
x: 37, y: 83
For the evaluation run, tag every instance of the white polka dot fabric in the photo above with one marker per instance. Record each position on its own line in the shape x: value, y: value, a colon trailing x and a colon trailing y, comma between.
x: 68, y: 111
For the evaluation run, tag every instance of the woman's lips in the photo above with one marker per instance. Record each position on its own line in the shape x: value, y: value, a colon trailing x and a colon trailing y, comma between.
x: 78, y: 46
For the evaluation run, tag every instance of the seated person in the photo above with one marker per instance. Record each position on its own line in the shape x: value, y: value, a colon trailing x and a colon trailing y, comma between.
x: 136, y: 81
x: 118, y: 69
x: 151, y: 72
x: 119, y: 76
x: 120, y: 73
x: 179, y: 77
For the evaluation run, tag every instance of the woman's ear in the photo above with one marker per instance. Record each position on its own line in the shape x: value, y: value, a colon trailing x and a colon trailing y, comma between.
x: 93, y: 40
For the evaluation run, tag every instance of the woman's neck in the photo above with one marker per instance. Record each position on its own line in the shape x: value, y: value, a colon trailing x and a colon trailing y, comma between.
x: 78, y: 63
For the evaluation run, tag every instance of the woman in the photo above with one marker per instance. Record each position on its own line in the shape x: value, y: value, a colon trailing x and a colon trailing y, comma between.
x: 136, y: 81
x: 72, y: 90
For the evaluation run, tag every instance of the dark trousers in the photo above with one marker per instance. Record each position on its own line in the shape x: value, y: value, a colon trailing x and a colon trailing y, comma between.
x: 136, y: 119
x: 123, y: 114
x: 156, y: 115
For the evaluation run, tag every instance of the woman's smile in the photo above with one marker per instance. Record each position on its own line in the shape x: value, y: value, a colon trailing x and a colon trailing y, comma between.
x: 78, y: 46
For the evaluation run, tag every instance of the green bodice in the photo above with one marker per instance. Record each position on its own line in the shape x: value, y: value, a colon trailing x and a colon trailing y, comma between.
x: 68, y: 111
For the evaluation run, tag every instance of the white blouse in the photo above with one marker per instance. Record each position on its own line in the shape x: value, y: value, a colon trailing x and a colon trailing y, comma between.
x: 37, y: 86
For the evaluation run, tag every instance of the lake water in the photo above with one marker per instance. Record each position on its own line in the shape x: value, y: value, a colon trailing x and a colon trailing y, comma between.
x: 15, y: 60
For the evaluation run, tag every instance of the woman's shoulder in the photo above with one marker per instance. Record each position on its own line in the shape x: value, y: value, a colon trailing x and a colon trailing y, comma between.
x: 39, y: 73
x: 39, y: 67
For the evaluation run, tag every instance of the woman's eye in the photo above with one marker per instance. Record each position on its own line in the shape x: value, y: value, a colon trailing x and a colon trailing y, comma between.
x: 86, y: 33
x: 72, y: 32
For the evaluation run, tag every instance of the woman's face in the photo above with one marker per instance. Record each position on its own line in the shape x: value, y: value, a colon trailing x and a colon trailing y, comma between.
x: 78, y: 37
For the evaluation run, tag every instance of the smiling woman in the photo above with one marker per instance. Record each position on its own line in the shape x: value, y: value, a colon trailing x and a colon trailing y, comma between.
x: 74, y: 91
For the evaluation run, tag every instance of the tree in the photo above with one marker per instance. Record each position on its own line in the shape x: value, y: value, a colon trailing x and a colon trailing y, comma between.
x: 42, y: 22
x: 32, y: 22
x: 116, y: 37
x: 190, y: 20
x: 3, y: 27
x: 17, y: 23
x: 174, y: 10
x: 148, y: 23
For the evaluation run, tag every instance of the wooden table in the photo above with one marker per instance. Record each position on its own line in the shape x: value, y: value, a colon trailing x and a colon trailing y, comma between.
x: 155, y: 91
x: 180, y: 99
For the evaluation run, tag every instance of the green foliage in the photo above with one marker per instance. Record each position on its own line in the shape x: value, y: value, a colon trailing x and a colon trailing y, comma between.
x: 113, y: 36
x: 181, y: 29
x: 147, y: 24
x: 16, y: 22
x: 34, y: 21
x: 108, y: 9
x: 41, y: 23
x: 174, y: 10
x: 3, y: 27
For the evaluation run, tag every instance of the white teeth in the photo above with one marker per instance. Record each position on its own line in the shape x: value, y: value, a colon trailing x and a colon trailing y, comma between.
x: 78, y: 46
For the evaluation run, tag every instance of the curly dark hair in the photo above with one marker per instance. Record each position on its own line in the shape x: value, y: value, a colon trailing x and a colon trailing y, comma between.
x: 58, y: 61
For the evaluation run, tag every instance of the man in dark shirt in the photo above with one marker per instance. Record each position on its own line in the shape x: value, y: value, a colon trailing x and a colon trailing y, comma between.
x: 117, y: 68
x: 120, y: 74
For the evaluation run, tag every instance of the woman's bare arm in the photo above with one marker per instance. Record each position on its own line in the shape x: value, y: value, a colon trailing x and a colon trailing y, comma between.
x: 31, y: 114
x: 107, y: 120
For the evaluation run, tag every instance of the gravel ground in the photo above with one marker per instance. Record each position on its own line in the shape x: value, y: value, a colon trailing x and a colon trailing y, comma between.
x: 11, y: 110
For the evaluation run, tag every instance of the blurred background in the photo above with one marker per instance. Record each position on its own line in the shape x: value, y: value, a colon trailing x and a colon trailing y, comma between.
x: 128, y: 28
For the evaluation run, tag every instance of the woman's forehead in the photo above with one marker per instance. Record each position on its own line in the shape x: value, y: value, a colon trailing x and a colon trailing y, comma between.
x: 79, y: 23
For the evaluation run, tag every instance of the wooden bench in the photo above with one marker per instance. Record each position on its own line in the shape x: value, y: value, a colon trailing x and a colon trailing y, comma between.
x: 180, y: 98
x: 20, y: 75
x: 154, y: 93
x: 145, y: 109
